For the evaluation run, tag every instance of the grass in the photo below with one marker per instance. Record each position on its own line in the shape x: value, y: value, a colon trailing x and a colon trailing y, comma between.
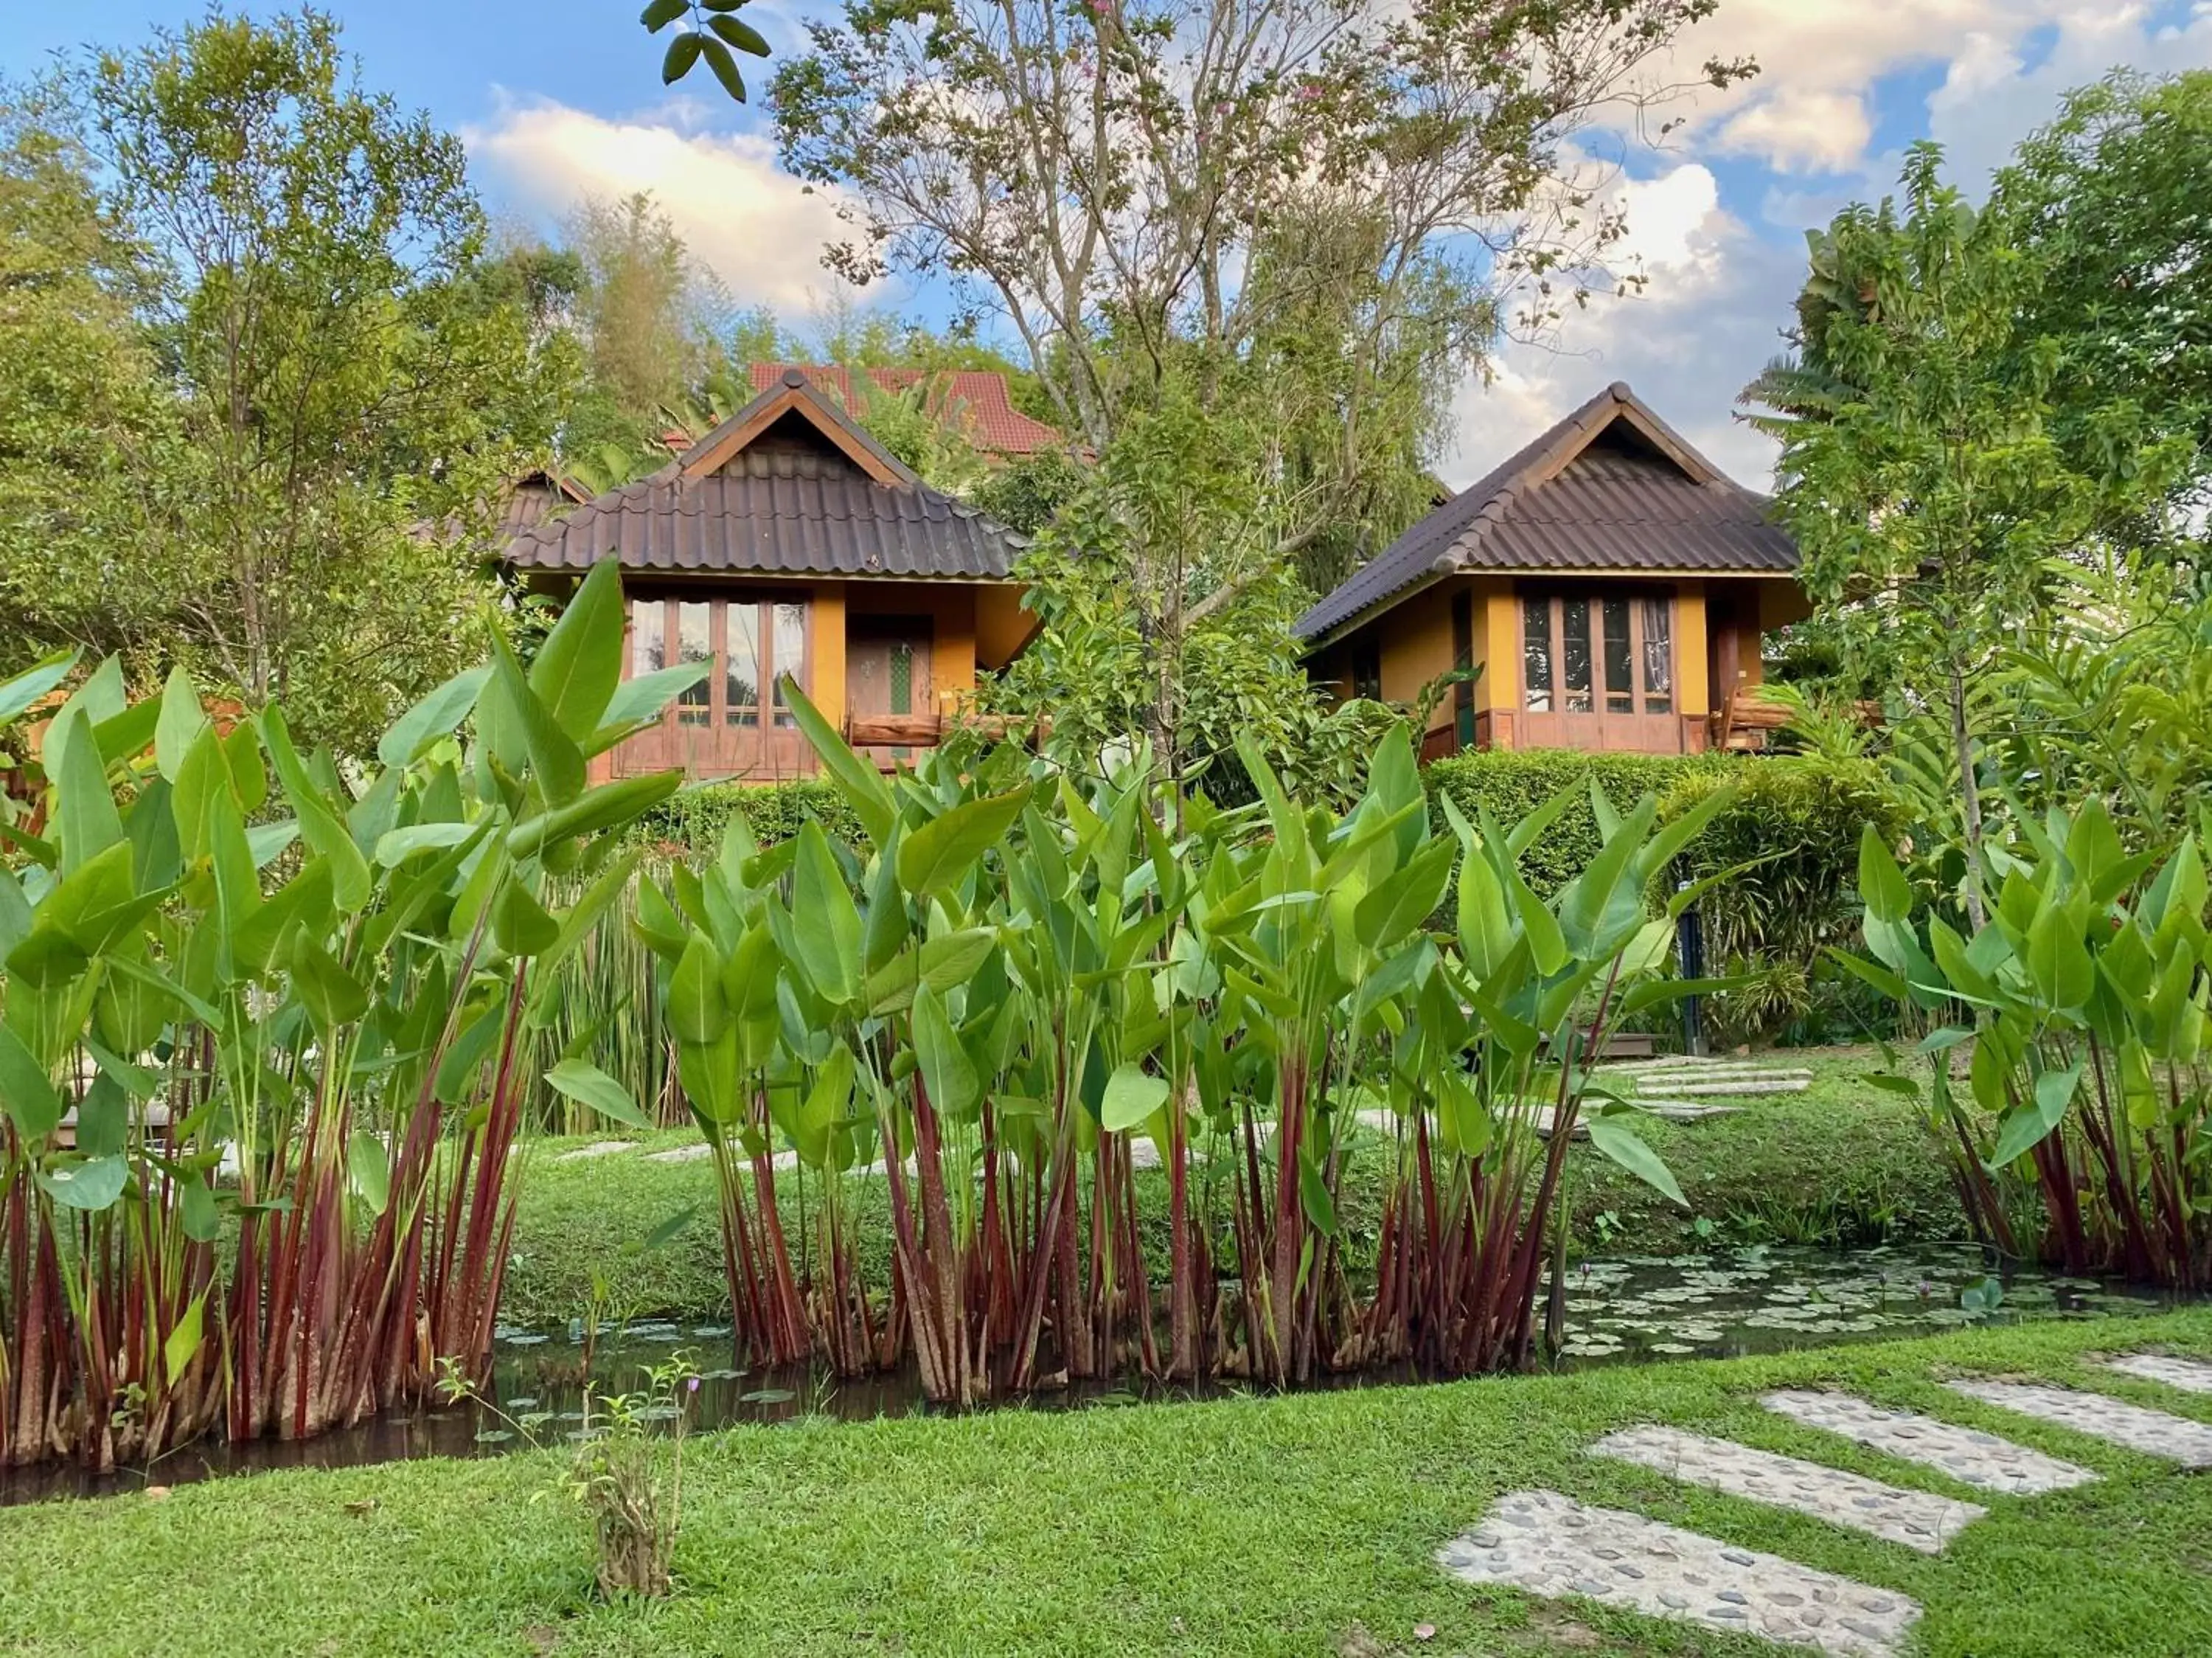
x: 1842, y: 1163
x: 1301, y: 1525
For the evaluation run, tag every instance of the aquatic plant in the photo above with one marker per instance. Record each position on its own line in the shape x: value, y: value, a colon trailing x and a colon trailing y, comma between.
x: 1019, y: 981
x: 256, y: 1004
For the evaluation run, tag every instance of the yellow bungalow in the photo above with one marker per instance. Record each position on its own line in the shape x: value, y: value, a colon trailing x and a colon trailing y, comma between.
x: 1610, y: 583
x: 788, y: 541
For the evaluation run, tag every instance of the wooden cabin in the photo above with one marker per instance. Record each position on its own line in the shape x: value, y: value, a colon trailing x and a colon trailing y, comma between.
x: 1610, y: 584
x: 788, y: 541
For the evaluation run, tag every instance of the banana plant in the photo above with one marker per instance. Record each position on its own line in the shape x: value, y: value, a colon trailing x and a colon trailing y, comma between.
x: 2088, y: 990
x: 283, y: 1000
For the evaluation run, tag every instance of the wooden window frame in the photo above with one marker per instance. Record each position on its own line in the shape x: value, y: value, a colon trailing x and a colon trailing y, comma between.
x: 1600, y: 691
x: 768, y: 714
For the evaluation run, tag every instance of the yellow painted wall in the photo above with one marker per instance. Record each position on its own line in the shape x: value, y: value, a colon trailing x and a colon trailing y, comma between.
x: 1498, y: 644
x: 1003, y: 625
x: 1693, y: 684
x: 827, y: 651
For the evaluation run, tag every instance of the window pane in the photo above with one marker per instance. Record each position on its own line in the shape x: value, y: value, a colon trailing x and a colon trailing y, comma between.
x: 694, y: 643
x: 1619, y: 676
x: 1536, y: 654
x: 648, y: 637
x: 1658, y: 657
x: 787, y: 654
x: 1575, y: 648
x: 741, y: 671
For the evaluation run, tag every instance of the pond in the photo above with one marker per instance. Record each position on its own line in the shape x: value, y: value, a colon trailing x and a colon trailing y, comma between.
x: 1722, y: 1305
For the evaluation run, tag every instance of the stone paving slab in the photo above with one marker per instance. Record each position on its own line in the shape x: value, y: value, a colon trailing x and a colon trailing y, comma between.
x: 2153, y: 1433
x: 1919, y: 1520
x: 1552, y: 1546
x: 1968, y: 1454
x: 596, y: 1149
x: 2191, y: 1375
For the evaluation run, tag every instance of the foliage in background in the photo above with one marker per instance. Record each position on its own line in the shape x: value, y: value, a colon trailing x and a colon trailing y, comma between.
x: 696, y: 818
x: 1511, y: 783
x: 339, y: 398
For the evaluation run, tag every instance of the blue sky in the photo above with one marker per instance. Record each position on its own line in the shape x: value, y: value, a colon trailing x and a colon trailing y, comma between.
x: 559, y: 98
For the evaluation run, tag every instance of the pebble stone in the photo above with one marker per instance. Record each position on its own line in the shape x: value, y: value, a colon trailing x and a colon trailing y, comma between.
x: 2153, y: 1433
x: 1547, y: 1544
x: 1919, y: 1520
x: 1966, y: 1454
x: 2191, y: 1375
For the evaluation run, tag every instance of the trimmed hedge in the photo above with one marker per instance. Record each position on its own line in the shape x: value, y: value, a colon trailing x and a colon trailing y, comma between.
x: 1513, y: 783
x: 696, y: 817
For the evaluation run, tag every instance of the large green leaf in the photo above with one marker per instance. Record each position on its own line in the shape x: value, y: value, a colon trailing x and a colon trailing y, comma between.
x: 21, y: 693
x: 1406, y: 898
x: 371, y: 1168
x: 182, y: 1344
x: 576, y: 670
x: 433, y: 717
x: 182, y: 719
x: 27, y: 1093
x: 320, y: 826
x: 88, y: 821
x: 643, y: 697
x: 825, y: 923
x: 858, y: 780
x: 93, y: 1183
x: 1611, y: 1135
x: 933, y: 858
x: 557, y: 759
x: 2029, y: 1125
x: 1133, y: 1094
x: 1882, y: 886
x: 698, y: 1011
x: 955, y: 1089
x: 607, y: 807
x: 587, y: 1085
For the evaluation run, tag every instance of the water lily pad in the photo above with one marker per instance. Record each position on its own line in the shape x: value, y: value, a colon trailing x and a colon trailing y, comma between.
x: 768, y: 1396
x: 494, y: 1435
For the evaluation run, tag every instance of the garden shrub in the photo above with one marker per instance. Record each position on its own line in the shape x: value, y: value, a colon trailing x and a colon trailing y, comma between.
x: 1795, y: 819
x: 696, y: 816
x: 1513, y: 783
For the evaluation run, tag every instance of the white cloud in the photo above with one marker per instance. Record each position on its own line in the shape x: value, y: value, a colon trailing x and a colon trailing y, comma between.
x: 754, y: 226
x: 1816, y: 130
x: 1704, y: 326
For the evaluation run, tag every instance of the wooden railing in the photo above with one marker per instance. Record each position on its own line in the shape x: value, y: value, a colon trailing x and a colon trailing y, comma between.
x: 927, y: 731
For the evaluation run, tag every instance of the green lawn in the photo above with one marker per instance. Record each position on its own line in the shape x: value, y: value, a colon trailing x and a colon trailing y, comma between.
x: 1287, y: 1526
x: 1841, y: 1164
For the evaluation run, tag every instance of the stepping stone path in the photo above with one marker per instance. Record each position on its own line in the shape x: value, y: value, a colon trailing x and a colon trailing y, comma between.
x: 2191, y: 1375
x: 2153, y: 1433
x: 596, y: 1149
x: 1965, y: 1453
x: 1919, y: 1520
x: 1550, y: 1544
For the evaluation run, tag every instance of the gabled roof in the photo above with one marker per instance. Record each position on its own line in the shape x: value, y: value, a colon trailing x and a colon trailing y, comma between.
x: 1611, y: 490
x: 789, y: 485
x: 978, y: 397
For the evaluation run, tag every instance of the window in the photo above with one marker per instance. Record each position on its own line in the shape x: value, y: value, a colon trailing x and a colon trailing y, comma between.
x: 1367, y: 671
x: 749, y: 646
x: 1462, y: 619
x: 1628, y: 667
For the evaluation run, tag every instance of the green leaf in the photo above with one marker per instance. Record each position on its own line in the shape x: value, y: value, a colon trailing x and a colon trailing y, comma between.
x: 557, y: 762
x: 1313, y: 1196
x: 1882, y: 886
x: 725, y: 67
x: 589, y: 1086
x: 94, y: 1184
x: 396, y: 846
x: 433, y: 717
x: 27, y: 1093
x: 320, y: 826
x: 181, y: 721
x: 1613, y: 1137
x: 946, y: 1070
x: 742, y: 36
x: 697, y: 1009
x: 862, y: 786
x: 334, y: 998
x: 1405, y: 898
x: 89, y: 822
x: 182, y: 1344
x: 682, y: 53
x: 576, y: 670
x: 933, y: 858
x: 1133, y: 1094
x: 2025, y: 1127
x: 670, y: 1230
x: 203, y: 1216
x: 660, y: 13
x: 825, y: 923
x: 522, y: 925
x: 371, y: 1169
x: 19, y: 694
x: 607, y: 807
x: 643, y: 697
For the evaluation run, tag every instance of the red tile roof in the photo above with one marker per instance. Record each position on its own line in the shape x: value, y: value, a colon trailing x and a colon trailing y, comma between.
x: 978, y: 395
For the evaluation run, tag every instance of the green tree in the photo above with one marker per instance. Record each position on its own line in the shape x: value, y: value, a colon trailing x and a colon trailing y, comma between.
x: 348, y: 396
x: 1932, y: 501
x: 647, y: 311
x: 86, y: 438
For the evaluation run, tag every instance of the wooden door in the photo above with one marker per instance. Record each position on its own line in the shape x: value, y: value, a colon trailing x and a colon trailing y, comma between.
x: 736, y: 722
x: 887, y: 671
x: 1597, y: 671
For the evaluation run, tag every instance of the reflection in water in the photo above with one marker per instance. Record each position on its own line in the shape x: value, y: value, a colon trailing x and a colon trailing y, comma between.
x: 1640, y: 1306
